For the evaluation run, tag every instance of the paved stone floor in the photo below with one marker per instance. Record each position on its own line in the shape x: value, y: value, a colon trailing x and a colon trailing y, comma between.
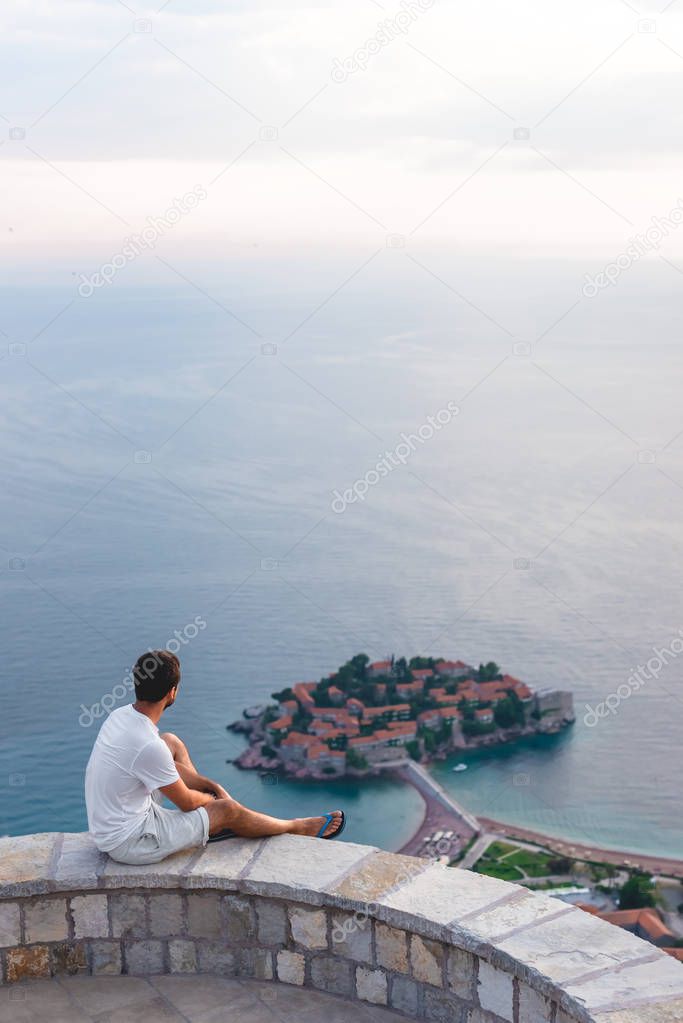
x: 177, y: 999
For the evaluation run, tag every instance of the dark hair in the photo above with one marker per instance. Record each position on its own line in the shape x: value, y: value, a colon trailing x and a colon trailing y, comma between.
x: 155, y: 674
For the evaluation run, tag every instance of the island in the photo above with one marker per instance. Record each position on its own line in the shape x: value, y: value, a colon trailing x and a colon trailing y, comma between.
x: 369, y: 717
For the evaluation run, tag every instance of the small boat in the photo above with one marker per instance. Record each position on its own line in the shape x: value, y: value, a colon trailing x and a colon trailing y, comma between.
x: 460, y: 767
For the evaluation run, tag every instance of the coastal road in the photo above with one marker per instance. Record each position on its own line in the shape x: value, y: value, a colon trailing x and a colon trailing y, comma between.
x: 442, y: 813
x: 477, y: 850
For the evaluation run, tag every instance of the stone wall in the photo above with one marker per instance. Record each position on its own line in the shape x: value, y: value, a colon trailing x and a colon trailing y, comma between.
x: 433, y: 942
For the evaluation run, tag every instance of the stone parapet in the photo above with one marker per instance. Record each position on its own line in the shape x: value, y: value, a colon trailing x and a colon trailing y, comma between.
x: 432, y: 942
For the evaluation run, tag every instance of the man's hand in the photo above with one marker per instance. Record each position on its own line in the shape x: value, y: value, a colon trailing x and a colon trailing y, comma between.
x: 217, y: 791
x: 185, y: 799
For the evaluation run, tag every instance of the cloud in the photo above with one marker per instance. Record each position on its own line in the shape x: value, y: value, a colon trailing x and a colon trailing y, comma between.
x: 119, y: 108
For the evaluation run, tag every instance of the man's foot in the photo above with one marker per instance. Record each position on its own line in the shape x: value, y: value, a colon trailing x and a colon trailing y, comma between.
x: 312, y: 825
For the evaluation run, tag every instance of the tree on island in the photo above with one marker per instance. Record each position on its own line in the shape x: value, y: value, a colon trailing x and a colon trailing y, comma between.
x: 488, y: 672
x: 638, y: 892
x: 357, y: 760
x: 284, y: 694
x: 401, y: 670
x: 420, y: 663
x: 509, y: 712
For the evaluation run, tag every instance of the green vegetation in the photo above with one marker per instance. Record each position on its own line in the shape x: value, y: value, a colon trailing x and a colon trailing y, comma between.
x: 509, y: 712
x: 478, y: 727
x: 514, y: 863
x: 637, y: 892
x: 413, y: 749
x: 357, y: 760
x: 488, y: 672
x: 268, y: 751
x: 284, y: 694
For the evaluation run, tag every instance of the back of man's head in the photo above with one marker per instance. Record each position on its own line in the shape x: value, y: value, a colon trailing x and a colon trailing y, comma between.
x: 155, y: 674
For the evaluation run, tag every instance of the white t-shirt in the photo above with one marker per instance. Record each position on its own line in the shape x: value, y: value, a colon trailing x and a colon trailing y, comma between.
x: 128, y: 762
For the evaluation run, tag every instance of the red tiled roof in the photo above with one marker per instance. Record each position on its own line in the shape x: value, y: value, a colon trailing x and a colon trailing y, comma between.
x: 299, y: 739
x: 646, y: 919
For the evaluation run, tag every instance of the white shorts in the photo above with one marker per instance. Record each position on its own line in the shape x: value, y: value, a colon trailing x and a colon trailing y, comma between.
x: 164, y: 831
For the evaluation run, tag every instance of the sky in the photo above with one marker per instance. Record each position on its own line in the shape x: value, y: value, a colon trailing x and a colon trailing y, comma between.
x: 534, y: 130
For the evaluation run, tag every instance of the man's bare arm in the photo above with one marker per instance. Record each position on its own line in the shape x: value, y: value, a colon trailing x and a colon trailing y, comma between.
x: 186, y: 798
x: 199, y: 783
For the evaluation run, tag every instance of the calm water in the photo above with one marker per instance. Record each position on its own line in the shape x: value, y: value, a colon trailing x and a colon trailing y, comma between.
x: 231, y: 520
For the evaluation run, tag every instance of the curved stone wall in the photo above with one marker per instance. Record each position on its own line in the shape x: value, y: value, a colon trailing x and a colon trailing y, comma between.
x: 432, y: 942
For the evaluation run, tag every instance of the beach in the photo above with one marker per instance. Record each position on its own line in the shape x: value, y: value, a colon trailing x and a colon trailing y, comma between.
x: 443, y: 814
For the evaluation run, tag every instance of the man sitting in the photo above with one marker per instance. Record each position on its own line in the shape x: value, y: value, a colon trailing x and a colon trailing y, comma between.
x: 132, y: 765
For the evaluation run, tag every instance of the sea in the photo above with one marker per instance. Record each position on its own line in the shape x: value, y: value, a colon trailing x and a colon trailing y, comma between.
x: 272, y: 465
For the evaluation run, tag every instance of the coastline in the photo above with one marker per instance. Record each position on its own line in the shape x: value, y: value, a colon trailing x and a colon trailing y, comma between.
x: 438, y: 816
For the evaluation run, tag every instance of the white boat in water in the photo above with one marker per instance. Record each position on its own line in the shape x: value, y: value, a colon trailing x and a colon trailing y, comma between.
x: 460, y: 767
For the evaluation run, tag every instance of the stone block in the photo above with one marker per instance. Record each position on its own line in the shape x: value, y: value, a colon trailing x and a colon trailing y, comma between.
x: 182, y: 956
x: 534, y: 1007
x: 204, y: 915
x: 495, y: 990
x: 271, y: 922
x: 329, y: 973
x: 442, y: 1007
x: 521, y: 910
x: 426, y: 960
x: 214, y: 957
x: 68, y: 957
x: 371, y: 985
x: 45, y: 920
x: 256, y: 963
x: 291, y: 967
x: 143, y: 957
x: 166, y: 914
x: 662, y: 1012
x: 90, y: 917
x: 105, y: 958
x: 440, y: 895
x: 238, y: 915
x: 168, y: 874
x: 403, y: 995
x: 128, y: 915
x: 377, y: 874
x: 460, y: 971
x: 661, y: 978
x: 10, y: 925
x: 298, y: 868
x: 25, y: 963
x: 309, y: 926
x: 25, y: 863
x: 573, y: 945
x: 79, y: 863
x: 351, y: 935
x: 391, y: 946
x: 221, y: 864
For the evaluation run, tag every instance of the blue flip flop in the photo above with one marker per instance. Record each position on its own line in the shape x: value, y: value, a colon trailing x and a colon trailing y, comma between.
x: 329, y: 817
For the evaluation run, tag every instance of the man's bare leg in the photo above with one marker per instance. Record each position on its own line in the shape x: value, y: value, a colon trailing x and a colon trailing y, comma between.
x: 228, y: 813
x: 186, y: 769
